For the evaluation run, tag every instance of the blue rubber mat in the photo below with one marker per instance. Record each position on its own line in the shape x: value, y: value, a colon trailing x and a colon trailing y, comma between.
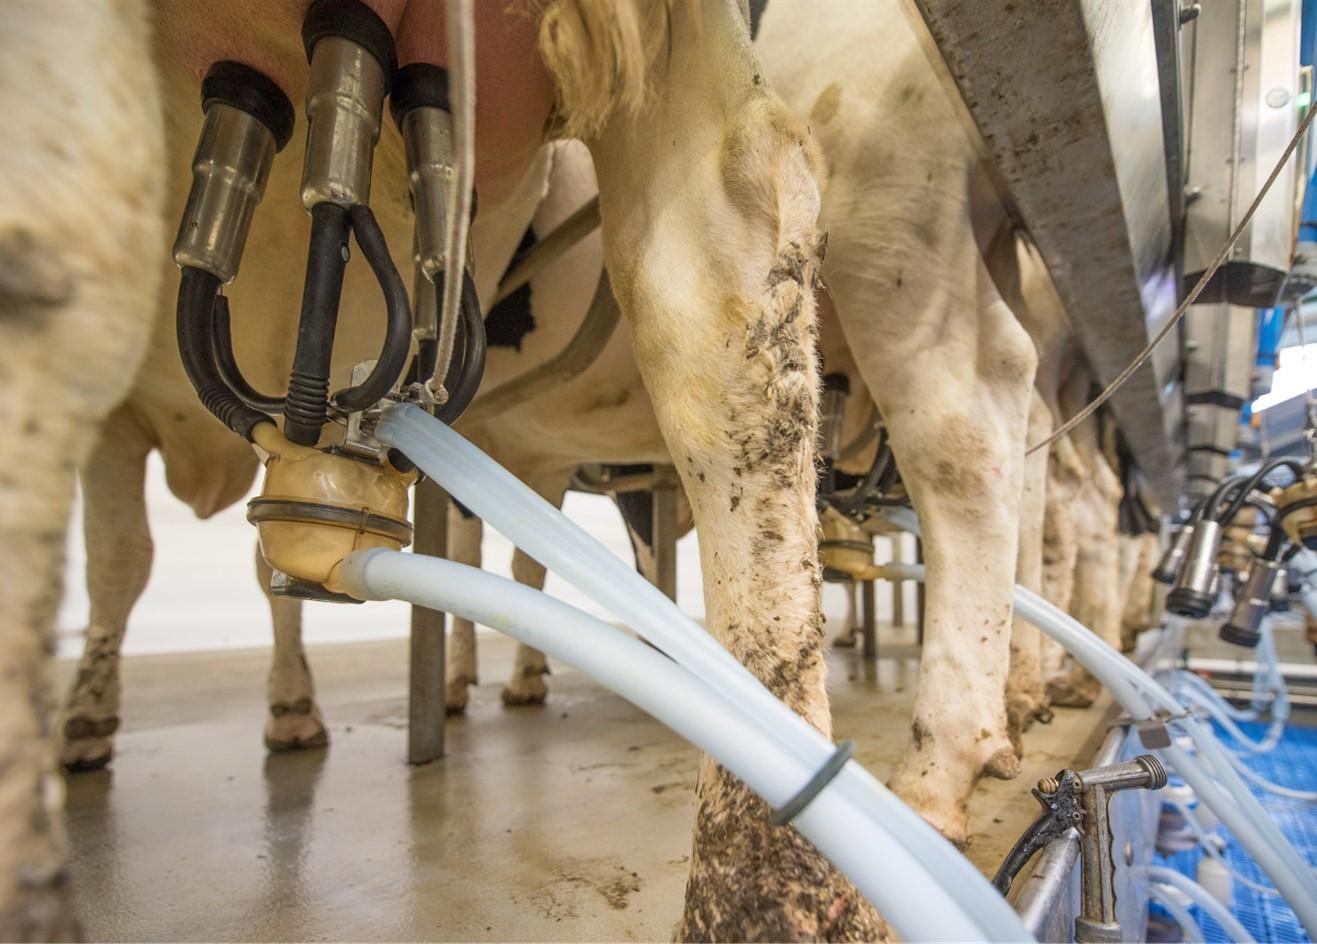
x: 1292, y: 763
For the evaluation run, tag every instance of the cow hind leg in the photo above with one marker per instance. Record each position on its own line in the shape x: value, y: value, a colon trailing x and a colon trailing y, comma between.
x: 294, y: 721
x: 527, y: 685
x: 464, y: 533
x: 80, y: 216
x: 961, y: 455
x: 1060, y: 549
x: 709, y: 204
x: 1096, y: 602
x: 119, y: 552
x: 1025, y: 695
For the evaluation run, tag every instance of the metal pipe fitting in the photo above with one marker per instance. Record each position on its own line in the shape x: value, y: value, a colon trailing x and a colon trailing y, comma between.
x: 836, y: 387
x: 248, y: 120
x: 352, y: 61
x: 420, y: 107
x: 1097, y: 920
x: 1168, y: 568
x: 1253, y: 603
x: 1195, y: 592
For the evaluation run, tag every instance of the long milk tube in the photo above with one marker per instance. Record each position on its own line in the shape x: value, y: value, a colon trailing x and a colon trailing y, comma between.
x: 544, y: 533
x: 1164, y: 895
x: 1200, y: 897
x: 1211, y: 851
x: 1231, y: 800
x: 852, y: 837
x: 1218, y: 711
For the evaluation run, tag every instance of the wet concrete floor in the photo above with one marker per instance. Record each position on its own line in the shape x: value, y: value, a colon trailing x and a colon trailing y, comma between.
x: 569, y: 821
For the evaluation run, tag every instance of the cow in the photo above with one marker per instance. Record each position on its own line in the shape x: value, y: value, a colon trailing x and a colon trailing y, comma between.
x: 80, y: 212
x: 709, y: 196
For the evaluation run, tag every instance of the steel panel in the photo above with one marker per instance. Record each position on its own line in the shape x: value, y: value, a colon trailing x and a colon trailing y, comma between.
x: 1069, y: 108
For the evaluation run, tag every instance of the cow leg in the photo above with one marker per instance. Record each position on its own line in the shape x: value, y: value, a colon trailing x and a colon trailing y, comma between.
x: 1025, y: 696
x: 1060, y: 544
x: 1130, y: 549
x: 464, y: 533
x: 1096, y: 601
x: 850, y: 633
x: 80, y: 221
x: 952, y: 372
x: 709, y: 200
x: 527, y: 686
x: 119, y: 551
x: 294, y: 720
x: 960, y: 446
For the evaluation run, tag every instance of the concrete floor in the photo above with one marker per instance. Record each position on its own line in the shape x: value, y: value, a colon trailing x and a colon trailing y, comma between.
x: 569, y: 821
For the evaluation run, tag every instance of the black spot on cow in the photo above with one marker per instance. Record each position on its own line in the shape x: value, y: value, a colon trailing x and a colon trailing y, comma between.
x: 508, y: 322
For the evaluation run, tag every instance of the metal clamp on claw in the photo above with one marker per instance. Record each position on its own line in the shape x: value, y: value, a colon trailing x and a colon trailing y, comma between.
x: 323, y: 496
x: 1079, y: 800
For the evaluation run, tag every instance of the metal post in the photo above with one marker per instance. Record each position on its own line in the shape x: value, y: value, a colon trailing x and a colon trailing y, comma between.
x: 665, y: 532
x: 425, y: 691
x: 898, y: 586
x: 869, y: 625
x: 919, y: 595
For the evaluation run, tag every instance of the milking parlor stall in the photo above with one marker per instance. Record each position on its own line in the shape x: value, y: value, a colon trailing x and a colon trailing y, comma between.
x: 771, y: 471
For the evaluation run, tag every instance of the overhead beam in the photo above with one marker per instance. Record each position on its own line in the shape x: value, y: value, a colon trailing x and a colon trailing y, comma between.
x: 1066, y: 97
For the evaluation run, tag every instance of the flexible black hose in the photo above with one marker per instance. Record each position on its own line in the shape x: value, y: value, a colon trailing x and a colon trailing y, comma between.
x: 226, y: 363
x: 398, y: 329
x: 197, y: 291
x: 306, y: 406
x: 471, y: 367
x: 1257, y: 479
x: 1207, y: 509
x: 853, y: 502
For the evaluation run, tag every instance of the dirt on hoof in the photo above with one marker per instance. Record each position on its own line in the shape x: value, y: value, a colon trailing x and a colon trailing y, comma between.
x: 517, y: 699
x: 87, y: 750
x: 82, y: 756
x: 1066, y: 694
x: 295, y: 732
x: 1003, y: 765
x: 453, y: 711
x: 845, y: 641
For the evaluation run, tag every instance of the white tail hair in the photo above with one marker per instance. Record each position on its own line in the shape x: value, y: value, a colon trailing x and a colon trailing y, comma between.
x: 600, y: 54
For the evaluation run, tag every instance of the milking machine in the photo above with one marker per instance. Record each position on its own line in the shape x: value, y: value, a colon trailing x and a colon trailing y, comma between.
x: 332, y: 512
x: 329, y: 486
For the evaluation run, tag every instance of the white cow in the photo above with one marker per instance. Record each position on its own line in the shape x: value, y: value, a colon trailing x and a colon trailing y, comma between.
x: 80, y: 218
x: 709, y: 197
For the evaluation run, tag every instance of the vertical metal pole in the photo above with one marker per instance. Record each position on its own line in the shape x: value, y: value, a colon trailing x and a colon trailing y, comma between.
x: 665, y: 537
x: 869, y: 624
x: 898, y: 586
x: 919, y: 595
x: 425, y: 689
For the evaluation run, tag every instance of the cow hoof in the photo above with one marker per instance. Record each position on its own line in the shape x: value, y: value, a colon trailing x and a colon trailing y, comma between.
x: 954, y: 829
x: 1044, y: 715
x: 88, y: 743
x: 456, y: 696
x: 1003, y: 765
x: 83, y: 754
x: 525, y: 691
x: 1020, y: 714
x: 295, y: 731
x: 846, y: 640
x: 1065, y: 693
